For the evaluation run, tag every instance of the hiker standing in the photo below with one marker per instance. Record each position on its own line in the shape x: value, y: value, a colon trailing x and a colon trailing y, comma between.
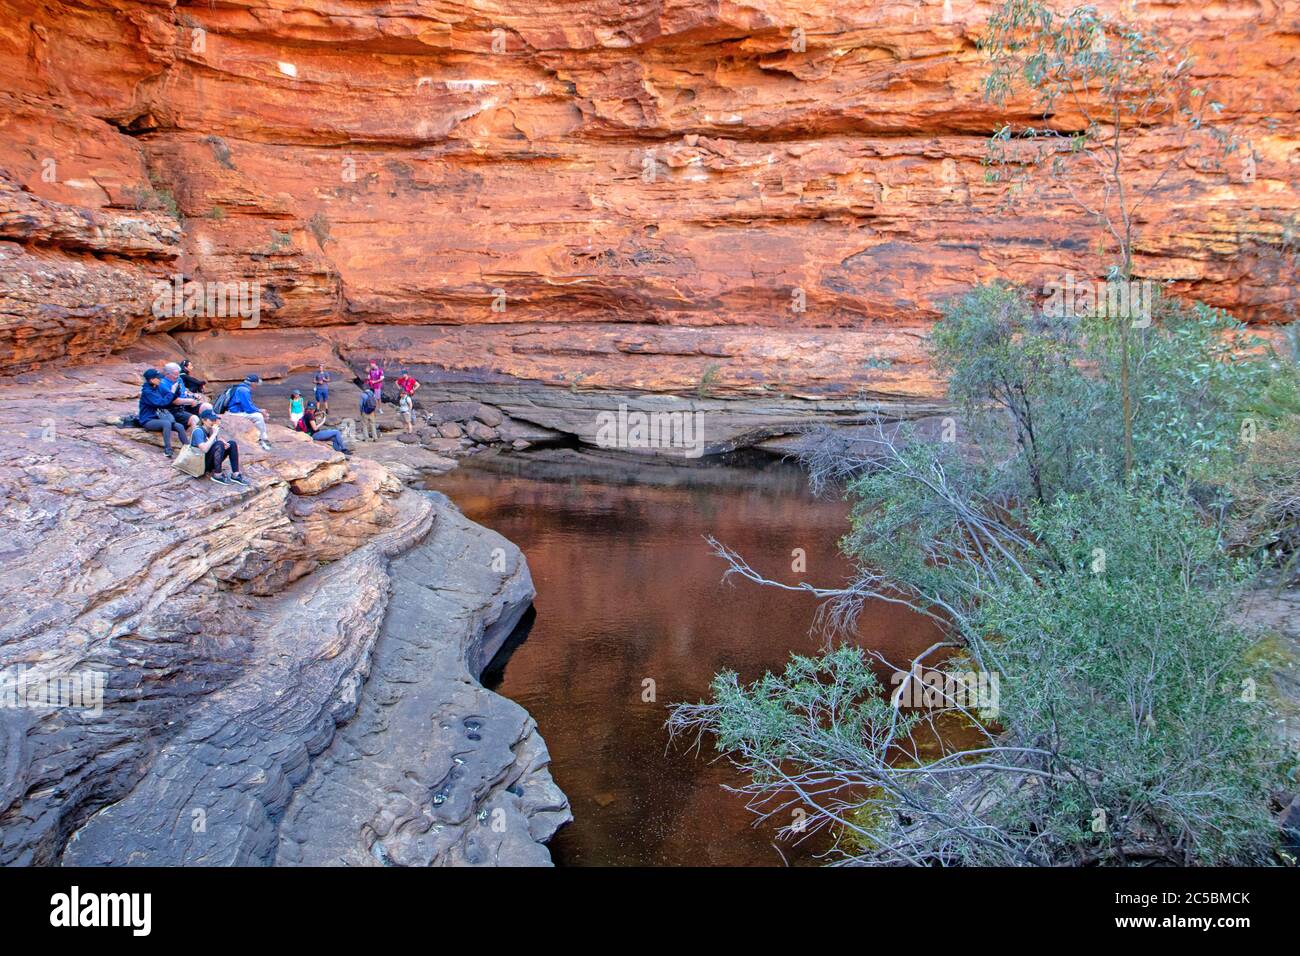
x: 295, y: 407
x: 406, y: 388
x: 407, y: 384
x: 406, y: 407
x: 375, y: 382
x: 369, y: 426
x: 322, y: 393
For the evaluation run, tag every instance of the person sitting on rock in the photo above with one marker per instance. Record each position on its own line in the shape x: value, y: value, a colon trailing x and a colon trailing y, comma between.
x: 295, y: 407
x: 185, y: 407
x: 153, y: 414
x: 196, y: 385
x: 217, y: 454
x: 241, y: 403
x: 369, y: 427
x: 322, y: 395
x: 307, y: 424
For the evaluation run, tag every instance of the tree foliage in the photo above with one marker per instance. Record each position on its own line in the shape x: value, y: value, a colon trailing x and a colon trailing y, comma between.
x: 1097, y: 82
x: 1132, y: 723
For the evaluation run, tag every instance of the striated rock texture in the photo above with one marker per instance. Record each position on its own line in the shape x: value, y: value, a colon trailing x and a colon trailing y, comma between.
x: 234, y: 629
x: 553, y: 170
x: 434, y: 769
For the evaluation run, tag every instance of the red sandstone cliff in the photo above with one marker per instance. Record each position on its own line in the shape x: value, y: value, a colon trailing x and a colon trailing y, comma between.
x: 602, y: 162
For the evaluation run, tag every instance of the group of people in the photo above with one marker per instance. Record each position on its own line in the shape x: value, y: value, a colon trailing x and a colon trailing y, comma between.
x: 310, y: 418
x: 173, y: 402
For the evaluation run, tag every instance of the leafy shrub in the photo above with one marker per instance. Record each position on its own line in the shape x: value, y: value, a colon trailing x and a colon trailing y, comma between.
x: 1129, y: 726
x: 708, y: 380
x: 157, y: 200
x: 319, y: 225
x: 1122, y: 663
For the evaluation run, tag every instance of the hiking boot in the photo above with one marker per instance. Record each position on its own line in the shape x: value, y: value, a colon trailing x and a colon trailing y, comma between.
x: 219, y: 478
x: 167, y: 452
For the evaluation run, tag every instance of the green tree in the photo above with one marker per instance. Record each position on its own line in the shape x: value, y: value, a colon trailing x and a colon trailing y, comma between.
x: 1133, y: 722
x: 1096, y: 82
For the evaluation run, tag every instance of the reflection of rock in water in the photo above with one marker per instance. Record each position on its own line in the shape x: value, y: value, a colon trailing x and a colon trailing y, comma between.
x: 628, y: 591
x: 494, y: 671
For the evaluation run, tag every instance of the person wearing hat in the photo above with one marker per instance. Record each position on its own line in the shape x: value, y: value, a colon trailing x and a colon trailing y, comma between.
x: 217, y: 454
x: 241, y: 403
x: 407, y: 384
x: 375, y: 382
x: 153, y: 414
x: 295, y: 407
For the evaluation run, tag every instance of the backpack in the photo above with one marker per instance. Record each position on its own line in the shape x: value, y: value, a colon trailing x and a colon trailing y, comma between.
x: 223, y: 400
x: 367, y: 403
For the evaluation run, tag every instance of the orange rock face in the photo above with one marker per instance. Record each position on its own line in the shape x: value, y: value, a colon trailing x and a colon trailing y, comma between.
x: 759, y: 173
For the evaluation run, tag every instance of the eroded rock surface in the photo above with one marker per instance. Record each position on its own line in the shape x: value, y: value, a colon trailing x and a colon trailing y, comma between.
x: 233, y: 629
x: 434, y: 769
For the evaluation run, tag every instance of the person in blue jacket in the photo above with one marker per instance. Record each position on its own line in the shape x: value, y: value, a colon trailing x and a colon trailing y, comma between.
x: 153, y: 414
x: 185, y: 407
x: 241, y: 403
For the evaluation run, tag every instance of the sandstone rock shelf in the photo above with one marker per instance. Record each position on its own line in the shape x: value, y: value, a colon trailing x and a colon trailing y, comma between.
x: 436, y: 769
x: 751, y: 209
x: 235, y: 629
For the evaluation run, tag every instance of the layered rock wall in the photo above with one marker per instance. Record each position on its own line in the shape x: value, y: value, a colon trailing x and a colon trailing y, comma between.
x: 576, y: 165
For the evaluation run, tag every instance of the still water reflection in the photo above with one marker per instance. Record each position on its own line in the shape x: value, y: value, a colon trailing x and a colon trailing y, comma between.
x: 628, y: 592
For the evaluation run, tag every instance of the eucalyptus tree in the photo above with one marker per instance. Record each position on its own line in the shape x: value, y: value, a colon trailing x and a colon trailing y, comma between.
x: 1096, y: 84
x: 1123, y: 724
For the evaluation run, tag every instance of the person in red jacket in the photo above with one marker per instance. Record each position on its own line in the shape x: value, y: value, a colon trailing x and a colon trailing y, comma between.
x: 406, y: 384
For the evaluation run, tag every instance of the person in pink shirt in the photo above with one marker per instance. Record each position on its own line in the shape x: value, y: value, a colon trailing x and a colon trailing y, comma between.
x: 375, y: 382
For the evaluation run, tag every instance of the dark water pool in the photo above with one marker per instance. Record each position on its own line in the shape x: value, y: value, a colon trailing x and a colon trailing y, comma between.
x: 627, y: 593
